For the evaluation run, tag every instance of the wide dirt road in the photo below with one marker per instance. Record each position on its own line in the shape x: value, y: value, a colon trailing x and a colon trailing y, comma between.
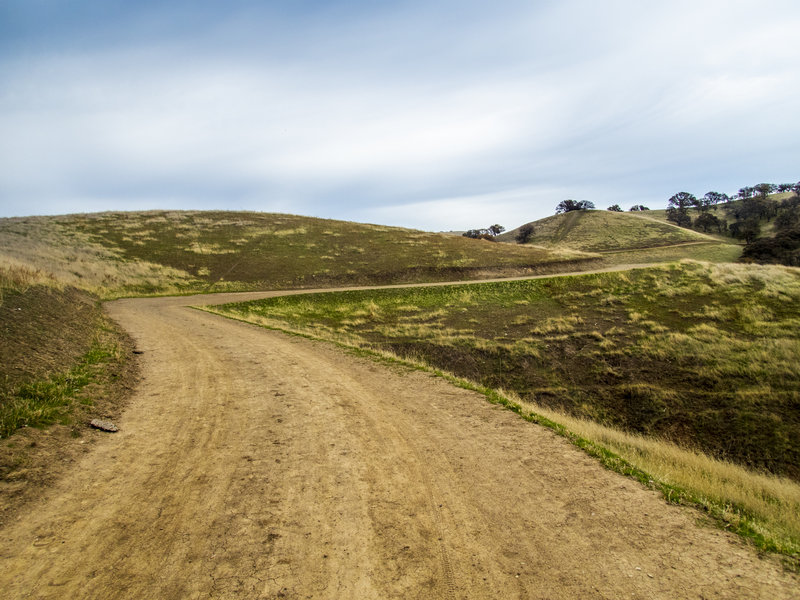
x: 254, y: 465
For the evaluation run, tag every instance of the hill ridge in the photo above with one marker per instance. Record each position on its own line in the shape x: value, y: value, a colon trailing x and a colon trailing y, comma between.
x: 599, y: 231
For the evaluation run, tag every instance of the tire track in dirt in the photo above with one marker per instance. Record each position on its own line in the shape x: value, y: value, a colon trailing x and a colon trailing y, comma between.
x: 254, y: 465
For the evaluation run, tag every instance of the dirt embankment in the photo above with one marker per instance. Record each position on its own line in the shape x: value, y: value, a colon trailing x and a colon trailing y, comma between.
x: 44, y: 331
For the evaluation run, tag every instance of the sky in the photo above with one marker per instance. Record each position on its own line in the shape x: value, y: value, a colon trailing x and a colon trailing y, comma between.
x: 435, y: 115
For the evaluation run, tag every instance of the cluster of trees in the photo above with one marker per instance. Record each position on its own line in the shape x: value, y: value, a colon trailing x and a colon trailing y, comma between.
x: 744, y: 219
x: 765, y: 189
x: 566, y: 206
x: 753, y: 208
x: 678, y: 210
x: 784, y: 246
x: 489, y: 233
x: 634, y: 208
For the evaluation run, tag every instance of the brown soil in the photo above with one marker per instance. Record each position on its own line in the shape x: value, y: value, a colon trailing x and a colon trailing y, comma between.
x: 43, y: 329
x: 254, y: 465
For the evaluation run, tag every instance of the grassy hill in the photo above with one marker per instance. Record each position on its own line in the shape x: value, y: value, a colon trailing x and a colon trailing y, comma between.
x: 176, y: 252
x: 602, y: 230
x: 626, y: 238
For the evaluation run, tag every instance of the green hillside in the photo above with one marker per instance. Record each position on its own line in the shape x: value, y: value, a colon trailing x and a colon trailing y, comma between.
x: 718, y: 210
x: 601, y: 230
x: 626, y: 238
x: 701, y: 354
x: 115, y: 254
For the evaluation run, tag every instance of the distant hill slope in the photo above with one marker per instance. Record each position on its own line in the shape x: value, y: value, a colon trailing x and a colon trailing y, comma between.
x: 718, y: 210
x: 603, y: 231
x: 180, y: 251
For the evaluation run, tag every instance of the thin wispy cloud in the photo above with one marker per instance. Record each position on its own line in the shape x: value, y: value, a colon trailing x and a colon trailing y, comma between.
x: 436, y: 115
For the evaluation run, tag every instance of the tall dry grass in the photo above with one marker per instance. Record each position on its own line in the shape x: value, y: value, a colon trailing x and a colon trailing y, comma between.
x: 18, y: 278
x: 40, y: 245
x: 770, y: 503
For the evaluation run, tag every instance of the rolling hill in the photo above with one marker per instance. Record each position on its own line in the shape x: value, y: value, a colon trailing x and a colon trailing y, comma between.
x: 625, y: 351
x: 625, y: 238
x: 113, y: 254
x: 598, y: 231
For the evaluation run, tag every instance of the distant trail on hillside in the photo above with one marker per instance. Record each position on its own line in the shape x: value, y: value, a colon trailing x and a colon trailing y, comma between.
x: 699, y: 233
x: 678, y: 245
x: 251, y: 464
x: 570, y: 220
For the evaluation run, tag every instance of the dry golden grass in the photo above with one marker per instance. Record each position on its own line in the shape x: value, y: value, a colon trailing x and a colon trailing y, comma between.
x: 200, y: 248
x: 558, y: 325
x: 18, y: 278
x: 773, y: 501
x: 39, y: 245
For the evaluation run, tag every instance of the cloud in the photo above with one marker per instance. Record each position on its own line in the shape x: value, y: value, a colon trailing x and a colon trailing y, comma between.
x: 450, y: 114
x: 459, y: 212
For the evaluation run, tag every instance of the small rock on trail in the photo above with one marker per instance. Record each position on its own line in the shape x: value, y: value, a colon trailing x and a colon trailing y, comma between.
x: 104, y: 425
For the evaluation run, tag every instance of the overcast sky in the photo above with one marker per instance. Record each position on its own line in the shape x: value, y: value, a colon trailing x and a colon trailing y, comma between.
x: 436, y: 115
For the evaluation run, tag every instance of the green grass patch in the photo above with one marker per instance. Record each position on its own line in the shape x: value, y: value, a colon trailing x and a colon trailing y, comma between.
x: 51, y: 400
x: 705, y: 251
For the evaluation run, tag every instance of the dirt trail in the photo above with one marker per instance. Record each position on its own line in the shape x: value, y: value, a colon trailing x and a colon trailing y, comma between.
x: 255, y: 465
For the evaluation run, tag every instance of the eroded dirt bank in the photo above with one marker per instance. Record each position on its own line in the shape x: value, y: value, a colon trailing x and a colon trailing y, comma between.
x: 254, y: 465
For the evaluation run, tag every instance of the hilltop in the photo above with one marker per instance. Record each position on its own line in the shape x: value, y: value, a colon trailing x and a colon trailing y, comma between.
x: 625, y: 237
x: 134, y: 253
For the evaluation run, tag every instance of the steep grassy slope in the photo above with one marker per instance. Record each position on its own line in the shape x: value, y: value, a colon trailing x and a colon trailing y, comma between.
x: 55, y: 342
x: 62, y: 363
x: 161, y: 251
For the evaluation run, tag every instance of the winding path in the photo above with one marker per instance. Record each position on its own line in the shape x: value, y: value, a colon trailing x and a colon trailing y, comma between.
x: 254, y: 465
